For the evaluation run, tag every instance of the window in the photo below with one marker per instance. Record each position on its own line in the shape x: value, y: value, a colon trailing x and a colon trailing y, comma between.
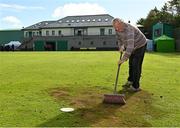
x: 53, y: 33
x: 79, y: 43
x: 30, y: 34
x: 102, y: 31
x: 157, y: 32
x: 27, y: 34
x: 110, y: 31
x: 79, y: 33
x: 47, y: 33
x: 99, y: 20
x: 106, y: 19
x: 92, y: 42
x: 37, y: 33
x: 59, y: 32
x: 34, y: 33
x: 104, y: 43
x: 116, y: 42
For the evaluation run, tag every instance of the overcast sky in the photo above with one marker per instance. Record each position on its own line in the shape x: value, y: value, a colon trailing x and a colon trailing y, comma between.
x: 22, y: 13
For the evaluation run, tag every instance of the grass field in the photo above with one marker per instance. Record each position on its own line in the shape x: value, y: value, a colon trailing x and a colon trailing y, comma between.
x: 35, y: 85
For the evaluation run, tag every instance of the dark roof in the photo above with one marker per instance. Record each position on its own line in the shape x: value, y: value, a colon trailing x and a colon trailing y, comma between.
x: 39, y: 25
x: 76, y: 21
x: 82, y: 21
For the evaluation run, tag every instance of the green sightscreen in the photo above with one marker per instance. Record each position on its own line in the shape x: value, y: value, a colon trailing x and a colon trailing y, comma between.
x: 62, y: 45
x: 39, y: 45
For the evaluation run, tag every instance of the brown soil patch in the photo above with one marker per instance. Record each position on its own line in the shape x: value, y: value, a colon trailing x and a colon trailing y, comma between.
x: 58, y: 93
x: 90, y: 109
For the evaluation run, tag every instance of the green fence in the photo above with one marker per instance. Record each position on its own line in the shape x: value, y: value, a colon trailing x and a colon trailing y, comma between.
x: 10, y: 35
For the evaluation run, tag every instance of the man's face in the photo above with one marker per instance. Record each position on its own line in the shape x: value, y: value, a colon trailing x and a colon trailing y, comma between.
x: 118, y: 26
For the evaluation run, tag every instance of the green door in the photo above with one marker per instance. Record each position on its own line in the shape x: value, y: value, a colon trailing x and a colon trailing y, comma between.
x: 39, y: 45
x: 62, y: 45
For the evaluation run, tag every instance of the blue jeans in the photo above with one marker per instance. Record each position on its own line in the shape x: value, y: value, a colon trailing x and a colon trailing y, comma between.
x: 135, y: 66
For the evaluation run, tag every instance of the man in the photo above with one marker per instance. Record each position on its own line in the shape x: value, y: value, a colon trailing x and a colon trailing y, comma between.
x: 133, y: 42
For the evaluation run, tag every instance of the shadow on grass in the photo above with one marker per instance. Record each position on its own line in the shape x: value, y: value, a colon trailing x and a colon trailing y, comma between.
x: 90, y: 111
x: 83, y: 117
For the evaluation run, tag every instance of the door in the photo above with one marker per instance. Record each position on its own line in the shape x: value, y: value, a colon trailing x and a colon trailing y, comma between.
x: 62, y: 45
x: 39, y: 45
x: 50, y: 46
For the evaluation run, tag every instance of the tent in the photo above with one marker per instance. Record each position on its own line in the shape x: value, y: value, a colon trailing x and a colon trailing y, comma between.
x: 15, y: 43
x: 165, y: 44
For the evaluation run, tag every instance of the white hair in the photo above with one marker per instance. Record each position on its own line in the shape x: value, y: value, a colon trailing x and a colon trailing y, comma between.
x: 117, y: 20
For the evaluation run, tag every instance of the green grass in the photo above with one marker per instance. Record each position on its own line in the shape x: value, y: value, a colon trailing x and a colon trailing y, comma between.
x: 35, y: 85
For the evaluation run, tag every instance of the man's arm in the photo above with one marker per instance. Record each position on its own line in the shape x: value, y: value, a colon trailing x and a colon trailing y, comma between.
x: 121, y: 46
x: 130, y: 45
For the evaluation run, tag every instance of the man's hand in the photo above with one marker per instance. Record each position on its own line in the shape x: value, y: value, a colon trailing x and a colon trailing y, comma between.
x: 120, y: 62
x: 121, y: 49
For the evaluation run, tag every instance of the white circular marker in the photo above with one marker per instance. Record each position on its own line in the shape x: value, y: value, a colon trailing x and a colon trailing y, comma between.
x: 67, y: 109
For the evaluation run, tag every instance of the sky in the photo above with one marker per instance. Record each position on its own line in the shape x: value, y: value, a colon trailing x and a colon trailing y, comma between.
x: 16, y: 14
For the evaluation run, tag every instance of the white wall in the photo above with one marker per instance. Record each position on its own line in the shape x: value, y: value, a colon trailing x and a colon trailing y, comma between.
x: 34, y: 31
x: 70, y: 31
x: 64, y: 32
x: 96, y: 30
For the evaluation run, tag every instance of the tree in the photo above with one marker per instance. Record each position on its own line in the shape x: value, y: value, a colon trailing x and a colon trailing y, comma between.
x: 150, y: 20
x: 165, y: 8
x: 174, y: 7
x: 169, y: 13
x: 141, y: 21
x: 165, y: 17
